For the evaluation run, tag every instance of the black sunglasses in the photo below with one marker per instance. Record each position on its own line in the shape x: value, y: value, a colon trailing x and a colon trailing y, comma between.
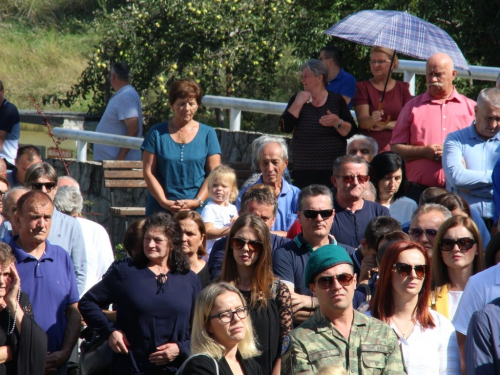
x: 49, y: 186
x: 417, y: 232
x: 239, y: 243
x: 464, y: 244
x: 350, y: 179
x: 326, y: 282
x: 313, y: 214
x: 404, y: 269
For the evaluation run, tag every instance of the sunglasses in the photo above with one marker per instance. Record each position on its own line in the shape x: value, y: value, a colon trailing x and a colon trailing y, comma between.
x: 326, y: 282
x: 417, y: 232
x: 2, y: 193
x: 404, y: 269
x: 464, y: 244
x: 49, y: 186
x: 239, y: 243
x: 313, y: 214
x: 350, y: 179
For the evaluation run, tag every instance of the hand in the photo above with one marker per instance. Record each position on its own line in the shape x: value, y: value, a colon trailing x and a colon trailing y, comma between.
x: 434, y: 152
x: 330, y: 119
x: 233, y: 219
x: 300, y: 302
x: 377, y: 128
x: 11, y: 296
x: 377, y: 116
x: 166, y: 353
x: 303, y: 97
x: 118, y: 342
x: 54, y: 360
x: 368, y: 266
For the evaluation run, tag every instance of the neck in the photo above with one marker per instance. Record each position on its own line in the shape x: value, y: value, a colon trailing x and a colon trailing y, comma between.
x: 179, y: 125
x: 341, y: 318
x: 459, y: 277
x: 276, y: 186
x: 404, y: 307
x: 160, y: 266
x: 230, y: 353
x: 245, y: 275
x: 316, y: 242
x: 35, y: 249
x: 118, y: 85
x: 386, y: 201
x: 317, y: 92
x: 352, y: 205
x: 334, y: 72
x: 380, y: 81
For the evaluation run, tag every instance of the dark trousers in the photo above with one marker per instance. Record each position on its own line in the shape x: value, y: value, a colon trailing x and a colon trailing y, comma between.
x: 301, y: 179
x: 414, y: 191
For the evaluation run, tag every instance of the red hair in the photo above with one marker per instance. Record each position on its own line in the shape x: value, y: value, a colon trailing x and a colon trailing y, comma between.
x: 382, y: 304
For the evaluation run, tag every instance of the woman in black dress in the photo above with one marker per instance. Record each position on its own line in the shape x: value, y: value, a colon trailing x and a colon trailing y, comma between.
x: 222, y: 340
x: 247, y: 266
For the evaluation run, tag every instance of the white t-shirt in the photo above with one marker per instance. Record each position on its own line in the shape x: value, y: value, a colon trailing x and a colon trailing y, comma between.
x: 402, y: 209
x: 220, y: 216
x: 453, y: 301
x: 431, y: 351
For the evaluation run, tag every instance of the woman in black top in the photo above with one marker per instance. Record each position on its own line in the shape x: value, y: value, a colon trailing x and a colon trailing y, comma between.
x: 247, y: 266
x: 222, y: 340
x: 321, y: 123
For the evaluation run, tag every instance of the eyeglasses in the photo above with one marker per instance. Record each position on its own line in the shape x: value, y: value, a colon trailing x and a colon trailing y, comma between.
x: 404, y: 269
x: 417, y: 232
x: 227, y: 316
x: 2, y: 193
x: 378, y: 62
x: 464, y: 244
x: 326, y: 282
x: 239, y: 243
x: 350, y: 179
x: 313, y: 214
x: 49, y: 186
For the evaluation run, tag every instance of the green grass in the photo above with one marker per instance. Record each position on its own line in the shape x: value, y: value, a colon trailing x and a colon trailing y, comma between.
x: 37, y: 61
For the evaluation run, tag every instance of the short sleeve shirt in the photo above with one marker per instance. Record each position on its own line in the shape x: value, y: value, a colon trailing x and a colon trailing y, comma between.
x: 343, y: 84
x: 10, y: 122
x: 180, y: 167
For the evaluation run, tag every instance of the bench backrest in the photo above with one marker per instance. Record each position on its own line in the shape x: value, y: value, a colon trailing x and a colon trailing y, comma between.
x: 123, y: 174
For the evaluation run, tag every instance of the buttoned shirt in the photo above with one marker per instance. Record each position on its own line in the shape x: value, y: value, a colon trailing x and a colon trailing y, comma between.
x: 343, y: 84
x: 425, y: 120
x: 372, y: 347
x: 472, y: 180
x: 288, y: 204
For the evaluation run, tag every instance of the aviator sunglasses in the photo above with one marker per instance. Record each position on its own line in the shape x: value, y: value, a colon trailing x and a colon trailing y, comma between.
x: 404, y: 269
x: 239, y: 243
x: 350, y: 179
x: 464, y: 244
x: 313, y: 214
x: 417, y: 232
x: 326, y: 282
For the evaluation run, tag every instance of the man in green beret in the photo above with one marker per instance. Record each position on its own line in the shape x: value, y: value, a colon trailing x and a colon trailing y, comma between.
x: 337, y: 334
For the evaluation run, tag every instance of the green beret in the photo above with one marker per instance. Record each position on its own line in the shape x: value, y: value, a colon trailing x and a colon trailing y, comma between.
x: 323, y: 258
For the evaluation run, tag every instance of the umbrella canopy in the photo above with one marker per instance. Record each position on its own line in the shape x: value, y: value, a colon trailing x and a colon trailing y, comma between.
x: 399, y: 31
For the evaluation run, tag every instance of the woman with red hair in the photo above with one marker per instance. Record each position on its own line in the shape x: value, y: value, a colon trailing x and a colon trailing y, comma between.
x: 401, y: 300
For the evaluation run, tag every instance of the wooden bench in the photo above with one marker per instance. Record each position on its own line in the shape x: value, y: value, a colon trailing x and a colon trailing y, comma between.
x: 119, y: 174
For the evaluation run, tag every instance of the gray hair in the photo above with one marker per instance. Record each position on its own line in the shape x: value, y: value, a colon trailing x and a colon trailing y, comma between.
x: 344, y: 159
x: 71, y: 179
x: 490, y: 95
x: 68, y: 200
x: 317, y: 68
x: 428, y: 207
x: 313, y: 191
x: 359, y: 137
x: 259, y: 143
x: 8, y: 193
x: 40, y: 170
x: 370, y: 193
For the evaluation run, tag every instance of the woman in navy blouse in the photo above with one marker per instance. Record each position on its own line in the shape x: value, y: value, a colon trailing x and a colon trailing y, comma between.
x: 155, y: 295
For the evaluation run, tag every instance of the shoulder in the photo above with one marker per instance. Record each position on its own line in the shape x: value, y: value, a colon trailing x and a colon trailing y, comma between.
x: 288, y: 247
x: 334, y: 97
x: 375, y: 327
x: 160, y: 128
x: 208, y: 130
x: 376, y: 208
x: 201, y: 364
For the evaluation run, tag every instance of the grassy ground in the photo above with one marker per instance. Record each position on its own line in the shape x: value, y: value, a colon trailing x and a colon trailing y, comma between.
x: 37, y: 61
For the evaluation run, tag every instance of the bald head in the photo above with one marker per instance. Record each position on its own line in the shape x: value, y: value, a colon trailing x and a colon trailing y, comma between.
x: 440, y: 75
x: 3, y: 168
x: 67, y: 181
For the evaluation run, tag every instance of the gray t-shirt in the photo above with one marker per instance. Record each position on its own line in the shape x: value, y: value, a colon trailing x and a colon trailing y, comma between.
x: 124, y: 104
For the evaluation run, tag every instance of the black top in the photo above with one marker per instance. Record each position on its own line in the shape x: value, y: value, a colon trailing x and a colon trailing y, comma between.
x: 29, y: 348
x: 203, y: 365
x: 204, y: 275
x: 314, y: 146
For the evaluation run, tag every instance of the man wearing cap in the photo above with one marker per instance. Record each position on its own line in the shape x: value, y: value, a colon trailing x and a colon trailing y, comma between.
x: 337, y: 334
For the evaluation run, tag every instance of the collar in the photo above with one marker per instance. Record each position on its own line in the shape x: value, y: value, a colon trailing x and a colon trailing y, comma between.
x: 454, y: 96
x: 22, y: 256
x: 301, y: 242
x: 338, y: 208
x: 285, y: 186
x: 339, y: 76
x: 324, y: 324
x: 472, y: 134
x: 497, y: 274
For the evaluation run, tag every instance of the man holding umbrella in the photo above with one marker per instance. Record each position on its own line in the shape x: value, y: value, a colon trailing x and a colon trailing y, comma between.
x: 424, y: 123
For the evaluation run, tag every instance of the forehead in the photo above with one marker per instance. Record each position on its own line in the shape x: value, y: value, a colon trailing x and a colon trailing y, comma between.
x: 459, y: 230
x: 246, y: 233
x: 488, y: 109
x: 348, y: 168
x: 412, y: 257
x: 3, y: 186
x: 155, y: 232
x: 380, y: 55
x: 32, y: 207
x: 227, y: 301
x: 429, y: 220
x: 336, y: 270
x: 5, y: 267
x: 271, y: 150
x: 43, y: 179
x: 257, y: 208
x: 438, y: 66
x: 188, y: 225
x: 360, y: 144
x: 318, y: 202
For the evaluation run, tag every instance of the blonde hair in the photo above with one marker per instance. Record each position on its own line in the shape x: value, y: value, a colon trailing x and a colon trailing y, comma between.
x: 224, y: 172
x: 389, y: 52
x: 202, y: 341
x: 332, y: 370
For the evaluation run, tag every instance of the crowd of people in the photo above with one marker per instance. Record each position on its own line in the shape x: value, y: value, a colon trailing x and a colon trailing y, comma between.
x: 376, y: 254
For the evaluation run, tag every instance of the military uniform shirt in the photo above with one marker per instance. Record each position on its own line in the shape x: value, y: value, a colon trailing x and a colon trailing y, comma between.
x: 372, y: 347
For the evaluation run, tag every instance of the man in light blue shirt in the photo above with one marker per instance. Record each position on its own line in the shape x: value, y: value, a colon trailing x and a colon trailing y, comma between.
x: 271, y: 154
x: 470, y: 154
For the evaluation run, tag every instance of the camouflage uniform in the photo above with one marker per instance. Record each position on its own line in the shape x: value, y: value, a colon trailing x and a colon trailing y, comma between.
x: 372, y: 347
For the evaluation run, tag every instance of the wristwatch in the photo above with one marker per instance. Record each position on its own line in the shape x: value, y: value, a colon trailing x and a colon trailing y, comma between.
x: 199, y: 200
x: 340, y: 124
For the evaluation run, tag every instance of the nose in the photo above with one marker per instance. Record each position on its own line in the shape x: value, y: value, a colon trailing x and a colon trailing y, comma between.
x: 184, y: 237
x: 235, y: 317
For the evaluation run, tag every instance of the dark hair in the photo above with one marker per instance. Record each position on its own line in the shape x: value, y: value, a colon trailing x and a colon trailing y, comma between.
x: 29, y: 150
x: 391, y: 237
x: 344, y: 159
x: 133, y: 237
x: 453, y: 201
x: 6, y: 255
x: 263, y: 276
x: 492, y: 250
x: 377, y: 227
x: 184, y: 88
x: 335, y: 53
x: 430, y: 194
x: 121, y: 71
x: 385, y: 163
x: 382, y: 304
x: 37, y: 196
x: 314, y: 191
x: 38, y: 170
x: 261, y: 194
x: 177, y: 260
x: 196, y: 217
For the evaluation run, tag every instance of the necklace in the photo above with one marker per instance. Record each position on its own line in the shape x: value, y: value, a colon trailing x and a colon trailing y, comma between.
x: 11, y: 329
x: 187, y: 130
x: 408, y: 330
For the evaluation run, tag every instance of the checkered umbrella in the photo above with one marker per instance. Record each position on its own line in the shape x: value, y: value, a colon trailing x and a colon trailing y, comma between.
x: 399, y: 31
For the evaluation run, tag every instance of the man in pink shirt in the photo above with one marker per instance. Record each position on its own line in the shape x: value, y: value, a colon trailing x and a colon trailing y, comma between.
x: 424, y: 123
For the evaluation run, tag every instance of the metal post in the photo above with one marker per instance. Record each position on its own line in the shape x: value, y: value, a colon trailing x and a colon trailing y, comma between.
x: 410, y: 78
x: 81, y: 150
x: 234, y: 119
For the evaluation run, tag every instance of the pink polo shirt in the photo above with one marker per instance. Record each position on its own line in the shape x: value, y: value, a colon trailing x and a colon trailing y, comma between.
x: 425, y: 120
